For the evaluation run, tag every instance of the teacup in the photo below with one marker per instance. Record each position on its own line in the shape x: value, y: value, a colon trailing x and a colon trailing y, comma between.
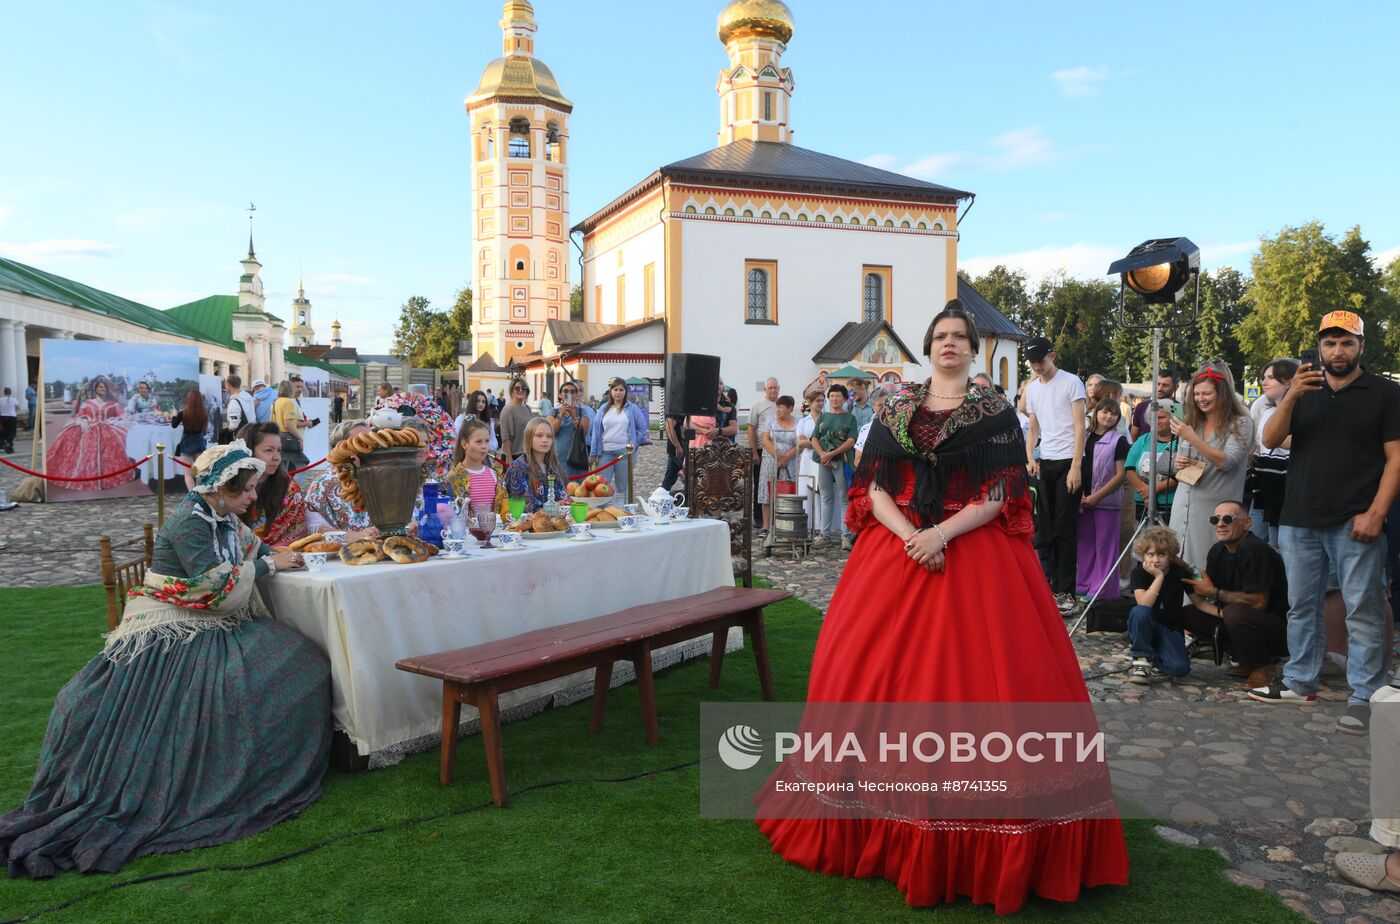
x: 632, y: 509
x: 509, y: 540
x: 682, y: 513
x: 580, y: 530
x: 454, y: 546
x: 628, y: 522
x: 338, y: 536
x: 315, y: 561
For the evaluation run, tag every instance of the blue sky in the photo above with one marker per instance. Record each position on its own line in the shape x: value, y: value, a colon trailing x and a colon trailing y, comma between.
x: 135, y: 133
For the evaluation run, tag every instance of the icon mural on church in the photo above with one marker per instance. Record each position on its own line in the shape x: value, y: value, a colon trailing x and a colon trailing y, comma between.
x: 106, y: 406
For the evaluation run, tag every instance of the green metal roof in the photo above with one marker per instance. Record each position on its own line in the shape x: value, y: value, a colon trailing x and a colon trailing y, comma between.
x: 849, y: 372
x: 26, y: 280
x: 211, y: 317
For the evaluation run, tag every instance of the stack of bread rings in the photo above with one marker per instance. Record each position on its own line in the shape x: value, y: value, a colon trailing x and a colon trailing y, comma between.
x: 406, y: 550
x: 361, y: 443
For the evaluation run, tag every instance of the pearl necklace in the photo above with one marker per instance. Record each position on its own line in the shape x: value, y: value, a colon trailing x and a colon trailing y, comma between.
x: 951, y: 397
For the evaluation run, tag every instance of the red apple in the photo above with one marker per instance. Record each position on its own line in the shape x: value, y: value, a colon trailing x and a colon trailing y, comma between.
x: 603, y: 490
x: 572, y: 489
x: 592, y: 481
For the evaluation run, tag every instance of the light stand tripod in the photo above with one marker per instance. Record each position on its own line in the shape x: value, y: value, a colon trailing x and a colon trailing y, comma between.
x: 1158, y: 270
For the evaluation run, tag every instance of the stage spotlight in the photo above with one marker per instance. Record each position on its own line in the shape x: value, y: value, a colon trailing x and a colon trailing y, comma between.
x: 1159, y: 269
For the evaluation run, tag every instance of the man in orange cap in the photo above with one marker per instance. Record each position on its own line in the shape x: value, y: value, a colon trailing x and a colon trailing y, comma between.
x: 1343, y: 475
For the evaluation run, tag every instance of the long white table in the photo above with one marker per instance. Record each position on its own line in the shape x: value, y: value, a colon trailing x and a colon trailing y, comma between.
x: 368, y: 617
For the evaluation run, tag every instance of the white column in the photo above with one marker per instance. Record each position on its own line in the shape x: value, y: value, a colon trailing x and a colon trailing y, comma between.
x: 21, y: 358
x: 279, y: 366
x: 7, y: 354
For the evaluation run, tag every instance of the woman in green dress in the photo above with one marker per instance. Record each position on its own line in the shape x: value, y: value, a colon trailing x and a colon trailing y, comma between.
x: 198, y: 723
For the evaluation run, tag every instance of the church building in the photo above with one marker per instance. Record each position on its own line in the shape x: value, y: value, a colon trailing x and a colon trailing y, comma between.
x: 781, y: 260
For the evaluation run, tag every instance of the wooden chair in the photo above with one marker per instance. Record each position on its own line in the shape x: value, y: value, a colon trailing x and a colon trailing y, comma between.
x: 119, y: 577
x: 719, y: 486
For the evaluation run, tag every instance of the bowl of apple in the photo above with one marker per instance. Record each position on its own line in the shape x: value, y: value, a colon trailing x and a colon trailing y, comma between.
x: 595, y: 491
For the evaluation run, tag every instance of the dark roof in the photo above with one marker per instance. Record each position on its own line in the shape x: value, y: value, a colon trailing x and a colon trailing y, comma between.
x: 381, y: 358
x: 568, y: 333
x: 990, y: 321
x: 787, y: 167
x: 852, y: 338
x: 617, y: 330
x: 775, y: 160
x: 486, y: 363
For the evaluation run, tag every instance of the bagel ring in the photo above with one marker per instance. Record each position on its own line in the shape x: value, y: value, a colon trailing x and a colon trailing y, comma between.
x: 364, y: 552
x: 404, y: 550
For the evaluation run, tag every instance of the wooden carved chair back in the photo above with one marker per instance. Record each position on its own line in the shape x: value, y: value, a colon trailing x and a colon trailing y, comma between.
x: 119, y: 577
x: 719, y: 486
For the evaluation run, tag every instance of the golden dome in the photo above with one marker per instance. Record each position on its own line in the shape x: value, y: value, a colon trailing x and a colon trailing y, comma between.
x: 517, y: 11
x: 756, y: 17
x: 520, y: 77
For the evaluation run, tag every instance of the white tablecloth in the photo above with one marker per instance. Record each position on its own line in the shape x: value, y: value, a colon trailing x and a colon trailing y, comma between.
x: 141, y: 439
x: 368, y: 617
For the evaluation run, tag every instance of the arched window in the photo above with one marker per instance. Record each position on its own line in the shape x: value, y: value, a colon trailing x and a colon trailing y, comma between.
x: 1004, y: 373
x: 801, y: 216
x: 904, y: 224
x: 748, y: 213
x: 691, y: 210
x: 551, y: 142
x: 519, y: 138
x: 729, y: 212
x: 758, y: 295
x: 490, y: 146
x: 785, y: 216
x: 766, y: 214
x: 710, y: 210
x: 874, y: 303
x: 871, y: 223
x: 923, y: 226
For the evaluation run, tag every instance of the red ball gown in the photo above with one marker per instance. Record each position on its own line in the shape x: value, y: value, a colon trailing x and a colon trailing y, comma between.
x: 986, y: 629
x: 92, y: 443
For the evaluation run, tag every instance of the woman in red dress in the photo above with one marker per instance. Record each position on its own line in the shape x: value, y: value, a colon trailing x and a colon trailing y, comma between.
x: 92, y: 443
x: 943, y: 600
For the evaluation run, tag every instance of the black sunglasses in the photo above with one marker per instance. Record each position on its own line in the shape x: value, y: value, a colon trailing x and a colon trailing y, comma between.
x: 1227, y: 519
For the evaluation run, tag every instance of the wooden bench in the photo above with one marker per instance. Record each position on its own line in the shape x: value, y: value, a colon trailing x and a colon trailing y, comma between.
x: 479, y: 674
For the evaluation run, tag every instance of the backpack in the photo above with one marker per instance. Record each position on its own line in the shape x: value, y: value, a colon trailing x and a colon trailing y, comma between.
x: 1109, y: 614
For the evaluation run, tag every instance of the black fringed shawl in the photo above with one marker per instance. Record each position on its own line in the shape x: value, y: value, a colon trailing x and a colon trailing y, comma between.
x: 979, y: 440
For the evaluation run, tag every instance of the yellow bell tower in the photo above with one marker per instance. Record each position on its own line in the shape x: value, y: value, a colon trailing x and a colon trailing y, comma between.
x: 755, y: 92
x: 520, y: 196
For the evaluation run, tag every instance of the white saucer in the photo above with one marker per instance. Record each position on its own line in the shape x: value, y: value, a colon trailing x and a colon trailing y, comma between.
x: 629, y: 529
x: 580, y: 538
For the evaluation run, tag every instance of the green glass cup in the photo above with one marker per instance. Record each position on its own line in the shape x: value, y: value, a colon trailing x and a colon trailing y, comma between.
x: 579, y: 511
x: 516, y: 505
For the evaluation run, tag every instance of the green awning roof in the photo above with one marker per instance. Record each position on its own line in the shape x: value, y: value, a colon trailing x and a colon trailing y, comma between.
x: 211, y: 317
x: 26, y: 280
x: 850, y: 372
x: 637, y: 380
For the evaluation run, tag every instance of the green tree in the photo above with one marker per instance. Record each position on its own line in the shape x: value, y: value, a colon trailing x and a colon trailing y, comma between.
x: 1298, y: 276
x: 576, y: 303
x: 1222, y: 309
x: 1006, y: 289
x: 1075, y: 314
x: 427, y: 338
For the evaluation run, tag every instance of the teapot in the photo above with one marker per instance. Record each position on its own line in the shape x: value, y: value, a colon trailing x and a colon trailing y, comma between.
x: 662, y: 503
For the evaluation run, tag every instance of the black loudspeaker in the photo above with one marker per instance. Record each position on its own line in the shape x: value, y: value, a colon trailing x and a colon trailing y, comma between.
x: 692, y: 384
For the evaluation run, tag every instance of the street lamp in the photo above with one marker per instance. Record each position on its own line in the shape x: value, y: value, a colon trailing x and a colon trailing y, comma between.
x: 1159, y: 271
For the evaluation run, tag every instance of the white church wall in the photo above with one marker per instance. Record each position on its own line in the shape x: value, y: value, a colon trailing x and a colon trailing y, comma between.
x: 818, y: 290
x: 638, y: 251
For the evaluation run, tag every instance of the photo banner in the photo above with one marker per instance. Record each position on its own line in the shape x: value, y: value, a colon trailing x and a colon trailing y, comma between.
x: 106, y: 405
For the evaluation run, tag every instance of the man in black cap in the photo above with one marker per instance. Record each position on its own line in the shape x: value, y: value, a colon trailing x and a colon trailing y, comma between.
x: 1055, y: 404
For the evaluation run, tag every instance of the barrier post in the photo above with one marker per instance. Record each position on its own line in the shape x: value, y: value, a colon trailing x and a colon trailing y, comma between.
x: 630, y: 465
x: 160, y: 485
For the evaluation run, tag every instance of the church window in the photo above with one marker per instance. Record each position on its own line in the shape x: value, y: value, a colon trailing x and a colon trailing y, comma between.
x: 821, y: 217
x: 710, y: 210
x: 490, y: 143
x: 729, y: 212
x: 760, y: 292
x: 1004, y: 373
x: 904, y: 224
x: 838, y: 220
x: 748, y: 213
x: 649, y: 289
x: 691, y: 210
x: 519, y: 138
x: 767, y: 105
x: 923, y: 226
x: 785, y: 216
x: 938, y: 225
x: 875, y: 288
x: 767, y: 214
x: 769, y: 72
x: 889, y: 223
x: 801, y: 216
x: 519, y: 266
x: 621, y: 299
x: 872, y: 222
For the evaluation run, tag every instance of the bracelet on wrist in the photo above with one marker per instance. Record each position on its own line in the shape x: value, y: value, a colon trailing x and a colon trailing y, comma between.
x: 941, y: 534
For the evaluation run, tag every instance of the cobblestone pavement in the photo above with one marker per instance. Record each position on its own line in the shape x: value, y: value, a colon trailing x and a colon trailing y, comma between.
x: 1274, y: 790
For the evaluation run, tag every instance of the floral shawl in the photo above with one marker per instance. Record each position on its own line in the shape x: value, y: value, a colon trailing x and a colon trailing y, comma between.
x: 323, y: 496
x: 176, y: 609
x: 979, y: 442
x: 290, y: 524
x: 459, y: 480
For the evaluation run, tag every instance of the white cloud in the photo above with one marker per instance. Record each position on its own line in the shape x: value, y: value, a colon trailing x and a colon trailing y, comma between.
x: 1084, y: 261
x: 56, y: 250
x: 1013, y: 150
x: 1081, y: 81
x: 1386, y: 257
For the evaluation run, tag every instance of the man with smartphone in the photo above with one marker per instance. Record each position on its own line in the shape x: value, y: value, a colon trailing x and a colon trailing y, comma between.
x: 1343, y: 474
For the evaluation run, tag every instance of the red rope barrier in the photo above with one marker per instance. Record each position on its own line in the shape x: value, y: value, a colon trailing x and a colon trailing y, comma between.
x: 120, y: 471
x: 298, y: 471
x: 601, y: 468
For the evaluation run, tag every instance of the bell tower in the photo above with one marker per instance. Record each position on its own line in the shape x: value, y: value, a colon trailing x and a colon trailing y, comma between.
x: 302, y: 332
x: 520, y: 196
x: 755, y: 91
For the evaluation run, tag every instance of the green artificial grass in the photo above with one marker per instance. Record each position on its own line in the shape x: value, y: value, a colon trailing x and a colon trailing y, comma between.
x: 582, y: 851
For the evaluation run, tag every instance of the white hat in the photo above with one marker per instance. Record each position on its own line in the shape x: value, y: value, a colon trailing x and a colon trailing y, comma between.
x: 257, y: 382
